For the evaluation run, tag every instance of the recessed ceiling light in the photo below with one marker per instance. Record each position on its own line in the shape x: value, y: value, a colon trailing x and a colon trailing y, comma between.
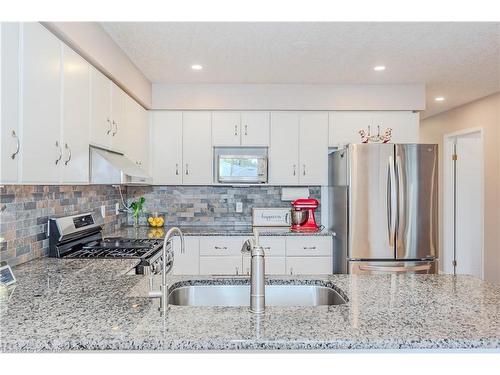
x: 196, y: 67
x: 439, y: 98
x: 379, y: 68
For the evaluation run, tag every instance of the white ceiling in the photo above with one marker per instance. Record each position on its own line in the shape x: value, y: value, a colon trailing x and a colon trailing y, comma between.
x: 459, y: 61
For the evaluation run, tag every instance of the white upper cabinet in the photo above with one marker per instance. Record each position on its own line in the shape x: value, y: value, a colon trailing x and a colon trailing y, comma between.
x: 255, y: 129
x: 226, y: 129
x: 197, y: 148
x: 41, y: 139
x: 119, y: 124
x: 138, y: 134
x: 298, y: 153
x: 313, y: 148
x: 166, y: 147
x: 76, y: 118
x: 100, y: 109
x: 10, y: 142
x: 284, y: 148
x: 344, y: 126
x: 240, y: 129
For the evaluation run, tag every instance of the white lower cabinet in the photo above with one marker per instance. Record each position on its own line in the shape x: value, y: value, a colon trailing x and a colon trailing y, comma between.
x: 273, y: 265
x: 221, y: 245
x: 309, y: 246
x: 220, y: 265
x: 309, y: 265
x: 187, y: 263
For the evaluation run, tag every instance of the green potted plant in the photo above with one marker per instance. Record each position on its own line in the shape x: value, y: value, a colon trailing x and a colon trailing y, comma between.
x: 137, y: 209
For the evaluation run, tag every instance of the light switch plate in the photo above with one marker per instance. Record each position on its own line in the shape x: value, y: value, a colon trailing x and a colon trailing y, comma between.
x: 239, y: 207
x: 103, y: 211
x: 117, y: 208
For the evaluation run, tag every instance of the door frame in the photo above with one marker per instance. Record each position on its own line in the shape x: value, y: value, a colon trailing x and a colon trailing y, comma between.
x: 448, y: 199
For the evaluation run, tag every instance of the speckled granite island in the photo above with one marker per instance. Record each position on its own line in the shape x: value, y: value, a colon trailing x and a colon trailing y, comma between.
x: 68, y: 305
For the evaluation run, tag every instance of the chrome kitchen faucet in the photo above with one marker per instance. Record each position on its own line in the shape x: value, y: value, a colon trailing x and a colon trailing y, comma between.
x: 257, y: 273
x: 167, y: 262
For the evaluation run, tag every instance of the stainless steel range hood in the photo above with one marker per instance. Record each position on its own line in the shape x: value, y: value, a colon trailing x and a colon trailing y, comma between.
x: 110, y: 167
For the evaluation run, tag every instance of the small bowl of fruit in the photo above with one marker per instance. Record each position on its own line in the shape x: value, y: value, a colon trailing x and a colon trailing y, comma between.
x: 156, y: 220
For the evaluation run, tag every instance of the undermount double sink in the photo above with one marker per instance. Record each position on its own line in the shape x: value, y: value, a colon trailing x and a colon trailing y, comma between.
x: 239, y: 295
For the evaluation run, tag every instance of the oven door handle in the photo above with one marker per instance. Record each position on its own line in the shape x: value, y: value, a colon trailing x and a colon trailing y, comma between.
x: 397, y: 269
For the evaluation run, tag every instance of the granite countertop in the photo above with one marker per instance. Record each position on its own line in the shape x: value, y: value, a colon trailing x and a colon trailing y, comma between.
x: 217, y: 230
x: 63, y: 305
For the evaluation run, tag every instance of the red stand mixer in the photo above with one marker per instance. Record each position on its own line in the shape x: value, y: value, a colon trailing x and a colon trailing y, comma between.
x: 303, y: 215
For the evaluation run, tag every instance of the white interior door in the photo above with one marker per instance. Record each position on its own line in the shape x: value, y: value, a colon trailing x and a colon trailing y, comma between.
x: 463, y: 216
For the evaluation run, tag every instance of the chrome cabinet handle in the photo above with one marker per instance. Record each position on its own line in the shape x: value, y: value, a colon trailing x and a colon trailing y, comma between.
x: 247, y: 271
x: 309, y: 247
x: 116, y: 128
x: 176, y: 169
x: 291, y: 270
x: 294, y: 170
x: 18, y: 145
x: 187, y: 169
x: 110, y: 127
x: 60, y: 152
x: 70, y: 155
x: 303, y: 169
x: 237, y: 270
x: 267, y: 248
x: 246, y: 129
x: 220, y: 248
x: 235, y: 129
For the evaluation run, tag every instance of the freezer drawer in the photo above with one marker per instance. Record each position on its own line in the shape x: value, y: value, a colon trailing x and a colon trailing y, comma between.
x: 384, y: 268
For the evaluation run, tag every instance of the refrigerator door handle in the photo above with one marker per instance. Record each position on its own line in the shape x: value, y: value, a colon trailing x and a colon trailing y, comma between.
x: 397, y: 269
x: 401, y: 199
x: 392, y: 201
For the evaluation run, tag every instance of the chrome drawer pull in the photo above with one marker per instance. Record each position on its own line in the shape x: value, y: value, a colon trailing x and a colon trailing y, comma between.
x: 309, y: 247
x: 18, y: 145
x: 220, y: 248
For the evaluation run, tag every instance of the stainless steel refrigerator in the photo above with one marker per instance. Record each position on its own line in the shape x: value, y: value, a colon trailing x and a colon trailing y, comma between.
x: 383, y: 201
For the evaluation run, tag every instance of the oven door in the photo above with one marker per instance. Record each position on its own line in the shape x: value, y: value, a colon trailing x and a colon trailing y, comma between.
x: 242, y: 169
x: 384, y: 268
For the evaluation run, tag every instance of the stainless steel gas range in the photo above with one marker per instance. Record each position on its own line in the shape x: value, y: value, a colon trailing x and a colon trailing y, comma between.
x: 79, y: 236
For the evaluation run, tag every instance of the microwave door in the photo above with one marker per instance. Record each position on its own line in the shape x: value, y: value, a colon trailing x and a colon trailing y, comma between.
x: 372, y: 201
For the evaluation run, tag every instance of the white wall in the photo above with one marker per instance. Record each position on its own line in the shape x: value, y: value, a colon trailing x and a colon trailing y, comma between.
x: 91, y: 41
x: 483, y: 113
x: 288, y: 97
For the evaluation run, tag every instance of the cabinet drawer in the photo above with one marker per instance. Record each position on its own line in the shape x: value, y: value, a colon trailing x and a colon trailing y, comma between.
x: 221, y: 246
x: 273, y: 246
x: 230, y: 265
x: 309, y: 246
x: 308, y: 265
x: 273, y: 265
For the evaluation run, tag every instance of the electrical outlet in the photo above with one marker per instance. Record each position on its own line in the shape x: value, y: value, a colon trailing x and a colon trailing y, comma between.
x: 103, y: 211
x: 117, y: 208
x: 239, y: 207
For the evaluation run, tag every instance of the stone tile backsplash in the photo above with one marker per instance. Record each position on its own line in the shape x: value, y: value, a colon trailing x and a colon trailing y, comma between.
x: 209, y: 205
x: 25, y: 209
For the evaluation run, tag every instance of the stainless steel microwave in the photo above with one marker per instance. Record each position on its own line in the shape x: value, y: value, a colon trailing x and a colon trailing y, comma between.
x: 242, y: 169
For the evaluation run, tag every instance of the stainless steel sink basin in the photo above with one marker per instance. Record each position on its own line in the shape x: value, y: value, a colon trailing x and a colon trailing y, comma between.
x: 239, y: 295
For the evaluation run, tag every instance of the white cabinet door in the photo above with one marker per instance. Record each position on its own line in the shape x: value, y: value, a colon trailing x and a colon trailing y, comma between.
x: 404, y: 125
x: 41, y: 77
x: 221, y: 245
x: 344, y: 126
x: 100, y: 109
x: 273, y: 265
x: 76, y: 118
x: 309, y: 265
x: 141, y: 136
x: 166, y: 147
x: 255, y: 129
x: 313, y: 148
x: 10, y: 143
x: 187, y: 263
x: 220, y: 265
x: 309, y: 246
x: 226, y: 129
x: 284, y: 149
x: 197, y: 148
x: 118, y: 118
